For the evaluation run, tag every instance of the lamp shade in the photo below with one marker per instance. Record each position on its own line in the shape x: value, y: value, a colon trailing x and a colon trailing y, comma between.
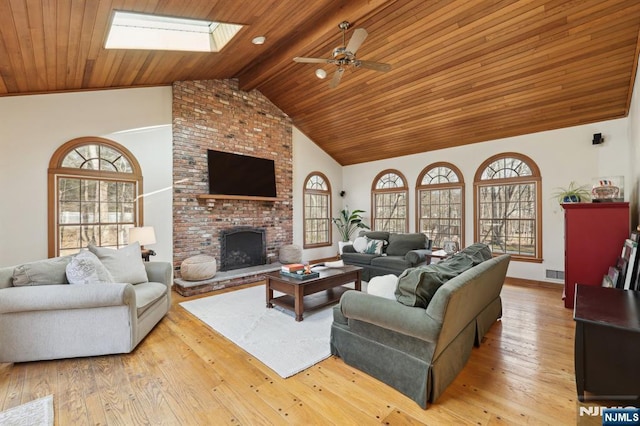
x: 143, y: 234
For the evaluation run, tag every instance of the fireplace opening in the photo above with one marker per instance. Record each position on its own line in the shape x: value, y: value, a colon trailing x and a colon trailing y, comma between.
x: 242, y: 247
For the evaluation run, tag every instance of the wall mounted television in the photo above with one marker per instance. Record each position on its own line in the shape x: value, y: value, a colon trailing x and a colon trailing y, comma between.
x: 235, y: 174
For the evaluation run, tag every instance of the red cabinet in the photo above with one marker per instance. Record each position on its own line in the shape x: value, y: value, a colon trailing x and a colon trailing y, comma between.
x: 594, y: 234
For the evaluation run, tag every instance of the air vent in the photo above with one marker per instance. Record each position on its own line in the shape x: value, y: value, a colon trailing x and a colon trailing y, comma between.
x: 556, y: 275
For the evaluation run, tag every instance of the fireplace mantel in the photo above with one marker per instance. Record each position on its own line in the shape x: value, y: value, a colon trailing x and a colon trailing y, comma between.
x: 213, y: 197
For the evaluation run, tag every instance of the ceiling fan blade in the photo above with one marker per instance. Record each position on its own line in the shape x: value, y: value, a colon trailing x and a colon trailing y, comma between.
x: 313, y: 60
x: 377, y: 66
x: 336, y: 78
x: 359, y: 34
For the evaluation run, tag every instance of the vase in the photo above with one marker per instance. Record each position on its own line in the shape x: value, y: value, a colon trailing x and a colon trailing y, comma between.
x: 571, y: 199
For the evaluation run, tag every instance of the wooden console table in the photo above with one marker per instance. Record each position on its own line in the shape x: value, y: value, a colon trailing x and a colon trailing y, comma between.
x: 607, y: 344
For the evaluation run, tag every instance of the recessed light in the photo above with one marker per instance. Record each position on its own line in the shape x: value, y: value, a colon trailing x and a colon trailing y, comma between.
x: 320, y: 73
x: 259, y: 40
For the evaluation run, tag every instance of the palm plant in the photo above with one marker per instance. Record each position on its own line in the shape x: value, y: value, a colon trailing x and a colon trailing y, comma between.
x: 348, y: 222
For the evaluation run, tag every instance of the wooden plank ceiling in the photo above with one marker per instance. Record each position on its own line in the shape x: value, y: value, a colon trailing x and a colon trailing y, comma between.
x: 463, y: 71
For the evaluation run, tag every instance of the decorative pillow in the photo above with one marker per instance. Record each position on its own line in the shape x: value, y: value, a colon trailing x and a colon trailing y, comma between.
x: 383, y: 286
x: 373, y: 246
x: 86, y: 268
x: 125, y: 265
x: 42, y: 272
x: 368, y: 245
x: 360, y: 244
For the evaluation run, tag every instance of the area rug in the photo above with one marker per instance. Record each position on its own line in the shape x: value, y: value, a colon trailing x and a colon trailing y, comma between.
x: 271, y: 335
x: 38, y: 412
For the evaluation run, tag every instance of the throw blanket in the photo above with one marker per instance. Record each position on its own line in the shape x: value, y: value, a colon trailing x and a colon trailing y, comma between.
x: 416, y: 286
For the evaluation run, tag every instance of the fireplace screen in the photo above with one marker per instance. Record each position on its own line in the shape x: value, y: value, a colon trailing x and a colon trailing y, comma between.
x: 242, y: 247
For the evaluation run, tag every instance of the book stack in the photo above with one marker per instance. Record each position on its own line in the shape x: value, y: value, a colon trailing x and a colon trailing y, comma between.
x: 292, y: 267
x: 296, y: 270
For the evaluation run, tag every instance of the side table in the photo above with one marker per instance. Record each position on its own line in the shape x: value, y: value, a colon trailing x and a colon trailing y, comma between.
x: 607, y: 343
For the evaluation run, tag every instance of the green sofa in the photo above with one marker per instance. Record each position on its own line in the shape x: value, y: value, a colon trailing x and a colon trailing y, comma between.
x: 418, y: 350
x: 399, y: 252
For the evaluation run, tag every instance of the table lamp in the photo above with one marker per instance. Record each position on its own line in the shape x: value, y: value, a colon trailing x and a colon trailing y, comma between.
x: 143, y: 235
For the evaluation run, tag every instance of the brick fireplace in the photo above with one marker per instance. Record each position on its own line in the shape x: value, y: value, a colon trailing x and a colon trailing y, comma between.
x: 215, y: 114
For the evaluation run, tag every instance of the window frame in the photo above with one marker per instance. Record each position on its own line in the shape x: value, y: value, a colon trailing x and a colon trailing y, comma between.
x: 326, y: 193
x: 375, y: 191
x: 57, y: 171
x: 535, y: 178
x: 439, y: 186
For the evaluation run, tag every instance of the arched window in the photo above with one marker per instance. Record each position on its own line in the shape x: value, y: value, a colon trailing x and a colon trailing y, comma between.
x: 390, y: 207
x: 317, y: 211
x: 508, y: 206
x: 94, y: 187
x: 440, y: 195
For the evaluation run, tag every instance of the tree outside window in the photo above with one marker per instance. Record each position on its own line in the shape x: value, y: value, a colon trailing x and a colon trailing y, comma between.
x: 508, y: 206
x: 440, y: 195
x: 390, y: 208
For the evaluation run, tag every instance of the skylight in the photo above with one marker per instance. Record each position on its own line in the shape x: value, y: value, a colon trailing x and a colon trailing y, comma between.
x: 152, y: 32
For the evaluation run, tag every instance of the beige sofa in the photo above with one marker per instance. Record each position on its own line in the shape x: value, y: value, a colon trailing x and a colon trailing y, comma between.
x: 415, y: 349
x: 50, y: 321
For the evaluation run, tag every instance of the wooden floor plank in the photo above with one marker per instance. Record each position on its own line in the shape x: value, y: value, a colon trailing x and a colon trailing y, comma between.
x: 185, y: 373
x: 77, y: 400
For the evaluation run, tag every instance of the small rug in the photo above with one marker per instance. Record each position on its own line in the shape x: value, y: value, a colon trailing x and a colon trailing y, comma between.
x: 271, y: 335
x: 38, y: 412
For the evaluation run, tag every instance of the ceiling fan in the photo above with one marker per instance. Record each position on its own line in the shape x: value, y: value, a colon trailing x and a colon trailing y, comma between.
x: 344, y: 56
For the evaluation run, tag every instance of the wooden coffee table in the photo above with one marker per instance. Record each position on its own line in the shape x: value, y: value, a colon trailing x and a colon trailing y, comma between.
x: 314, y: 293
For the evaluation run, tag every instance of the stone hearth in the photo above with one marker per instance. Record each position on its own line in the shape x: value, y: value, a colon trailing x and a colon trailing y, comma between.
x: 224, y: 279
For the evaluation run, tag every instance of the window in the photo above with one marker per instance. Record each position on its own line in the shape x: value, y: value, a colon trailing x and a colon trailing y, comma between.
x: 440, y: 195
x: 94, y: 187
x: 317, y: 211
x: 508, y: 206
x: 389, y: 198
x: 131, y: 30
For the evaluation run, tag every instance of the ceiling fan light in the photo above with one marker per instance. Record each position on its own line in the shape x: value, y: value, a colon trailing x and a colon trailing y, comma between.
x: 320, y: 73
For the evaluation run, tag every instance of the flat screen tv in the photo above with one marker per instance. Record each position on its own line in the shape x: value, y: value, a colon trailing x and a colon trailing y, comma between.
x: 234, y: 174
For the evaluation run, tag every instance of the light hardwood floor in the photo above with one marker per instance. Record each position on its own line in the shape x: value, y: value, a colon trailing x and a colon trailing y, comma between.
x: 184, y: 373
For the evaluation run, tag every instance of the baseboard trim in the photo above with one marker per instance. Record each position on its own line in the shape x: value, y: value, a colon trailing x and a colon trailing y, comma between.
x: 523, y: 282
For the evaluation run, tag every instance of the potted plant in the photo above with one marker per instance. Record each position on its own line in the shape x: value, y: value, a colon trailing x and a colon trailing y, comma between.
x: 574, y: 193
x: 348, y: 222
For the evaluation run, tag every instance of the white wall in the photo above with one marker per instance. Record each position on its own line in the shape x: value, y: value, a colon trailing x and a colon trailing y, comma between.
x: 33, y: 127
x: 307, y: 158
x: 634, y: 157
x: 563, y: 156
